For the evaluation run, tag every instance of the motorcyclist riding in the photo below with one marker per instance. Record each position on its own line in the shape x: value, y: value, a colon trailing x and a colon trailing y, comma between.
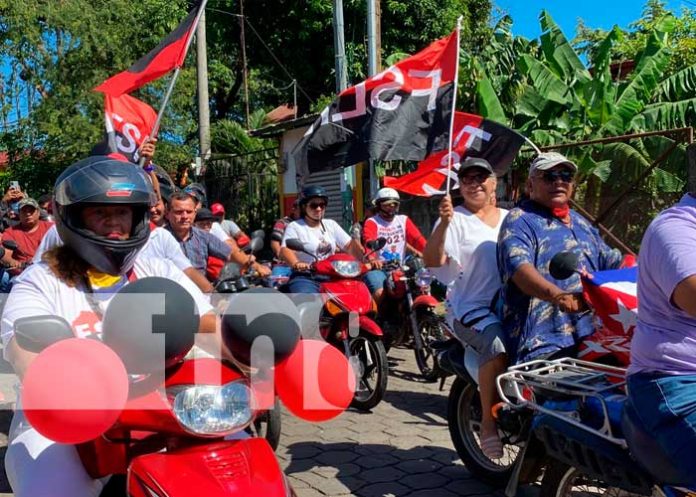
x: 399, y: 231
x: 322, y: 237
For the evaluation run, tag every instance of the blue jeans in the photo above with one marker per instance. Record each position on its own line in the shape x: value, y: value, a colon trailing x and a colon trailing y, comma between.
x: 666, y: 405
x: 375, y: 279
x: 303, y: 284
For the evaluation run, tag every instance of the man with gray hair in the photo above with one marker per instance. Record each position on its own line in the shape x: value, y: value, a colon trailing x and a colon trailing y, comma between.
x: 544, y: 316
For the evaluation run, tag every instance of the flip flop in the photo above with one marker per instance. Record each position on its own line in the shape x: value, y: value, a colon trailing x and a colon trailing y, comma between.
x: 492, y: 447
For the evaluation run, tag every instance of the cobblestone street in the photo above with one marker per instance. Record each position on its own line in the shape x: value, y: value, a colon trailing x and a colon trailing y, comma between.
x: 402, y: 448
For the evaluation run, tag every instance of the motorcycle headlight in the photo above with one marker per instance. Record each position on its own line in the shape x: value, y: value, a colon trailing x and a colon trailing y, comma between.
x: 423, y: 277
x: 210, y: 410
x: 348, y: 269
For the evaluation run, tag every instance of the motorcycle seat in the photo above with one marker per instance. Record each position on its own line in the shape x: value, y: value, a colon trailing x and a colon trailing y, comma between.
x: 647, y: 452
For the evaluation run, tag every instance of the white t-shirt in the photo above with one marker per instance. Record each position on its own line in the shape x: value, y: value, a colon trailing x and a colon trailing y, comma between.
x: 322, y: 241
x: 37, y: 291
x: 217, y: 231
x: 471, y: 270
x: 160, y: 245
x: 230, y: 227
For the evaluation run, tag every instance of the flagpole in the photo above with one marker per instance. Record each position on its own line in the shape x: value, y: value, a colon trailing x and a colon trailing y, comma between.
x: 454, y: 108
x: 172, y: 81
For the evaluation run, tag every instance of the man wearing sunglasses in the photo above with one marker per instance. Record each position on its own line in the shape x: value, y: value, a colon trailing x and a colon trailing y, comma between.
x: 397, y: 229
x: 544, y: 316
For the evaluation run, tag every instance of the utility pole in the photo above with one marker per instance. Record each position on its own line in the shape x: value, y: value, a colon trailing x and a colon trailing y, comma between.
x: 339, y: 47
x: 374, y: 64
x: 348, y: 173
x: 242, y: 43
x: 203, y: 99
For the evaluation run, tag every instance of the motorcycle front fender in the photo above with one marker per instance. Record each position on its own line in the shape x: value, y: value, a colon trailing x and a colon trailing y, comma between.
x: 425, y: 301
x: 225, y: 468
x: 370, y: 326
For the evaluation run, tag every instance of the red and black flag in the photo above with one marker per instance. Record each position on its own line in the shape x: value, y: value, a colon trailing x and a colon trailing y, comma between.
x: 128, y: 124
x: 169, y: 54
x: 402, y: 113
x: 474, y: 136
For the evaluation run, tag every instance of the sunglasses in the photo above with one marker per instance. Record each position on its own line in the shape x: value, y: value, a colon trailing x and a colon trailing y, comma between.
x: 390, y: 204
x: 474, y: 178
x: 553, y: 176
x: 317, y: 205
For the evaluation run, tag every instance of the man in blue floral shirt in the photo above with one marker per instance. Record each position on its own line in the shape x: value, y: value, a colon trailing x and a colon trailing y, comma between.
x: 543, y: 315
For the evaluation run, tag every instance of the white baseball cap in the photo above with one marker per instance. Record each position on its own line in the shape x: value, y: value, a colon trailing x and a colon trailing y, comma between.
x: 548, y: 160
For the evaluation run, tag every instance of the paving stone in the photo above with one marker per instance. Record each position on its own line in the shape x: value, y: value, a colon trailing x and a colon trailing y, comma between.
x: 420, y: 482
x: 414, y: 453
x: 380, y: 475
x: 469, y: 487
x: 336, y: 457
x: 390, y: 489
x: 376, y: 461
x: 440, y: 492
x: 419, y: 466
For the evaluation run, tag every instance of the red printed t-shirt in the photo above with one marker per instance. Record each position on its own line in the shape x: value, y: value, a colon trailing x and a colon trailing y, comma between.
x: 27, y: 242
x: 398, y: 232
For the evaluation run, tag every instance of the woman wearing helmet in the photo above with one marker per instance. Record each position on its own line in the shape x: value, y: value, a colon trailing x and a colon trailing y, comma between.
x: 101, y: 207
x: 399, y: 231
x: 322, y: 238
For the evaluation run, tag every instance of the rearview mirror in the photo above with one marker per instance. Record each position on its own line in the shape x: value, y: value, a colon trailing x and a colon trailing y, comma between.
x: 563, y: 265
x: 35, y: 333
x: 377, y: 244
x: 10, y: 245
x: 295, y: 244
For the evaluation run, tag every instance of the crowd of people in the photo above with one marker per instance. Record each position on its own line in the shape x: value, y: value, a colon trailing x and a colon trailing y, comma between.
x: 501, y: 300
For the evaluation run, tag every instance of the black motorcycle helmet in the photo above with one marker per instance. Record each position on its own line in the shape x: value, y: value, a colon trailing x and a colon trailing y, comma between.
x: 310, y: 192
x: 166, y: 184
x: 103, y: 180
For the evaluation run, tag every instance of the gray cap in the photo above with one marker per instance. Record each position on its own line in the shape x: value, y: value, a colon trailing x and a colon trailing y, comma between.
x: 470, y: 162
x: 548, y: 160
x: 27, y: 201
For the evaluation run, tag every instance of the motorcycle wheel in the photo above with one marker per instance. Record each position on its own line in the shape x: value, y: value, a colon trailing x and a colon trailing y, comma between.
x: 431, y: 328
x: 372, y: 383
x: 268, y: 425
x: 561, y: 480
x: 464, y: 422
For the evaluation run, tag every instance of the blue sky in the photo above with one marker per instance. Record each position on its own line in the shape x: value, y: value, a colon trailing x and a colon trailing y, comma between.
x: 596, y: 13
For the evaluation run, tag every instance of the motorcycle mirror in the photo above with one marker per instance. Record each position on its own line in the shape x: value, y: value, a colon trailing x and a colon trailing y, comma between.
x: 10, y: 245
x: 258, y: 234
x: 151, y: 324
x: 255, y: 245
x: 563, y: 265
x: 2, y: 252
x: 295, y: 244
x: 230, y: 271
x: 35, y: 333
x: 377, y: 244
x: 260, y: 327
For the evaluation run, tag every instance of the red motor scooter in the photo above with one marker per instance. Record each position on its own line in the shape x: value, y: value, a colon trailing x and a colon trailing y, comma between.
x: 170, y: 438
x: 347, y: 321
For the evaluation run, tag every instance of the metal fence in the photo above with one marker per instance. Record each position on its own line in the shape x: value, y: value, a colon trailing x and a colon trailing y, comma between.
x: 247, y: 185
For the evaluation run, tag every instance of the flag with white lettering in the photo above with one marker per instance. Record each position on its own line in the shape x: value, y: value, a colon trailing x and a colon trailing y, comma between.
x: 128, y: 124
x: 402, y: 113
x: 474, y: 136
x: 169, y: 54
x: 613, y: 296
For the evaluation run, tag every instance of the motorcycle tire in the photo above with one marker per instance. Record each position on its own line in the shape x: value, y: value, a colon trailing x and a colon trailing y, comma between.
x: 431, y: 328
x: 561, y: 480
x: 463, y: 417
x: 268, y: 425
x: 365, y: 401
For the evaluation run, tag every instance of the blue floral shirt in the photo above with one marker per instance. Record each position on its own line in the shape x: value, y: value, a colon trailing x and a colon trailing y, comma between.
x: 531, y: 235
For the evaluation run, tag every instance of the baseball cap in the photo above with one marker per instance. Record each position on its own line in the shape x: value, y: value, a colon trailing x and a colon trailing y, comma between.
x: 204, y: 214
x: 217, y: 209
x: 470, y: 162
x: 547, y: 160
x: 27, y: 201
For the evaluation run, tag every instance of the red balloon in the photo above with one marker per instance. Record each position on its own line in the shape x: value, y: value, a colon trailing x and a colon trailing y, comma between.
x: 74, y: 390
x: 316, y: 383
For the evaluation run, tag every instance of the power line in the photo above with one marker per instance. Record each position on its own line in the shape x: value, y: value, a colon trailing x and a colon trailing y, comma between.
x: 282, y: 66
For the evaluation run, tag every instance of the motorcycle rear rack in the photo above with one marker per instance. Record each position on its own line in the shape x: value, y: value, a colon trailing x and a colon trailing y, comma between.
x: 570, y: 379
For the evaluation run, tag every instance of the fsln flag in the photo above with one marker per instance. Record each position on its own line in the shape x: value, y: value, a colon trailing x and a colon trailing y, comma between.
x: 169, y: 54
x: 613, y: 295
x: 128, y: 124
x: 402, y: 113
x: 474, y: 136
